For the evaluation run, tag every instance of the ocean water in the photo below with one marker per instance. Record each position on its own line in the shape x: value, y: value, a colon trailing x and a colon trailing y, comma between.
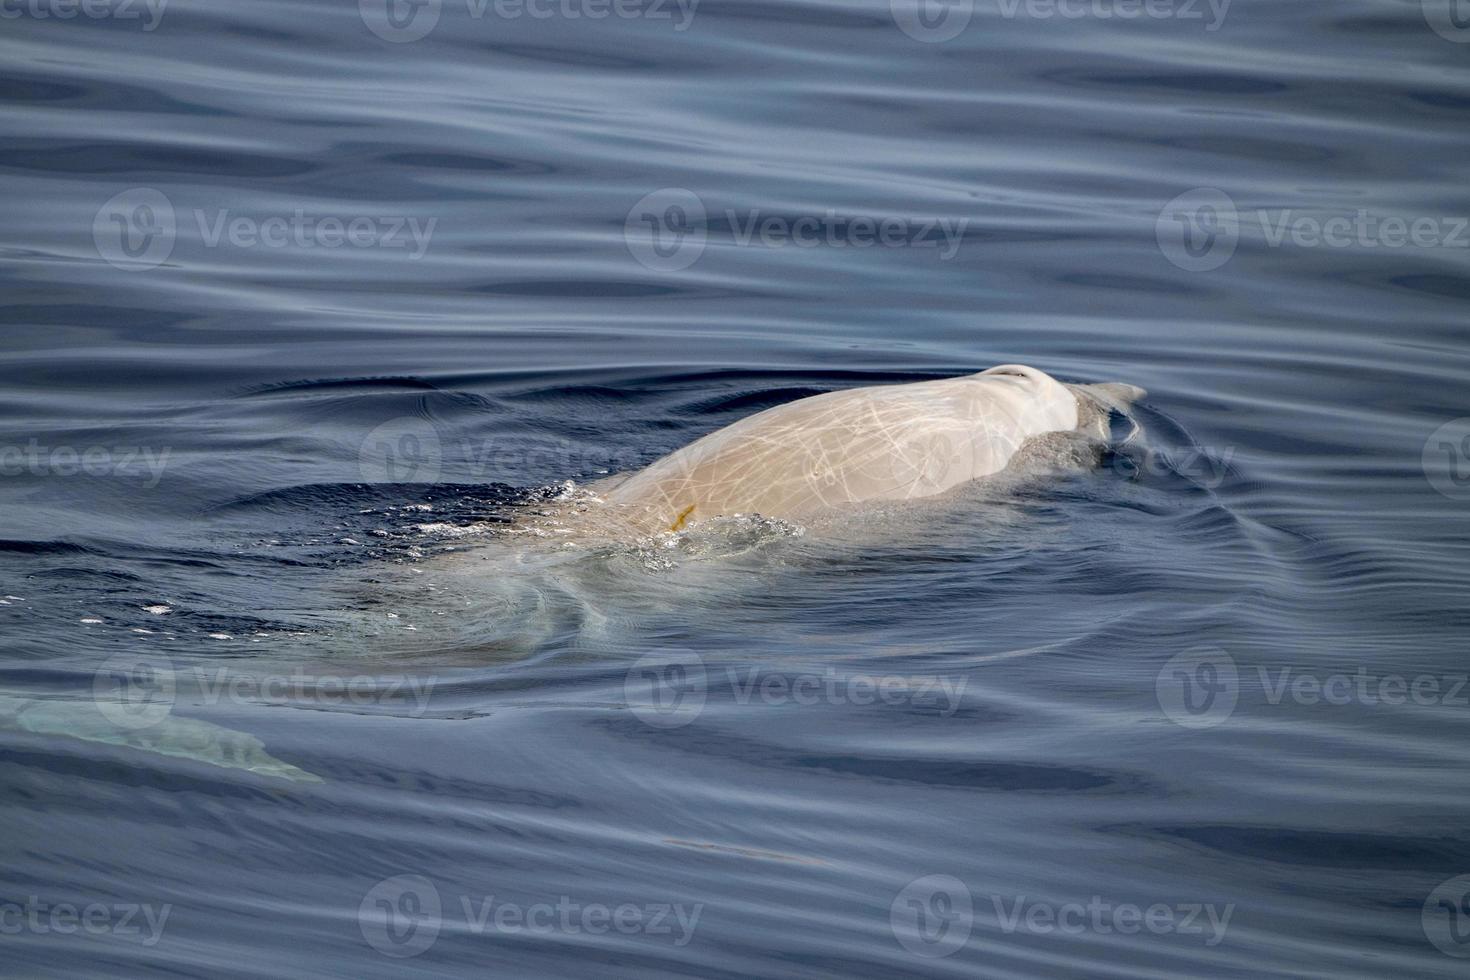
x: 316, y: 314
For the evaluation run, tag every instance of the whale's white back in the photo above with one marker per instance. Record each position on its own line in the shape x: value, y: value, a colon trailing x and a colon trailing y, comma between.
x: 891, y: 442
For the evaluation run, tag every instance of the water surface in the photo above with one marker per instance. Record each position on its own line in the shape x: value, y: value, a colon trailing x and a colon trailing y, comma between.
x: 275, y: 675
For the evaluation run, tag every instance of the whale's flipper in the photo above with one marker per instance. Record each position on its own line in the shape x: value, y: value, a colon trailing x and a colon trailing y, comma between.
x: 184, y: 738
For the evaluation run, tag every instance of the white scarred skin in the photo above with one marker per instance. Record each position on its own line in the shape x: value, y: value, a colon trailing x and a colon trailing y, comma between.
x: 890, y: 442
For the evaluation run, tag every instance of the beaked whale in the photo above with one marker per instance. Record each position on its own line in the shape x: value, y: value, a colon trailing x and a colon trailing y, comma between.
x: 807, y: 465
x: 881, y: 443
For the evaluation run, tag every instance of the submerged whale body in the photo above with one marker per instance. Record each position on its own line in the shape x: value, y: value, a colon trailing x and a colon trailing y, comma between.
x: 171, y: 735
x: 807, y: 464
x: 883, y: 443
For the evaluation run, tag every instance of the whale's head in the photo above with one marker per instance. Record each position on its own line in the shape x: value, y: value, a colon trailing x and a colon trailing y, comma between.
x: 1067, y: 406
x: 1039, y: 383
x: 1044, y: 404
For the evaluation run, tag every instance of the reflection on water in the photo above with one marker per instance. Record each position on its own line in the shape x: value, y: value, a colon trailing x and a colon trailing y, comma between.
x: 319, y: 316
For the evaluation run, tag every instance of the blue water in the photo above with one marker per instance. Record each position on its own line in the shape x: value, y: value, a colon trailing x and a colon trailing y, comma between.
x: 305, y: 313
